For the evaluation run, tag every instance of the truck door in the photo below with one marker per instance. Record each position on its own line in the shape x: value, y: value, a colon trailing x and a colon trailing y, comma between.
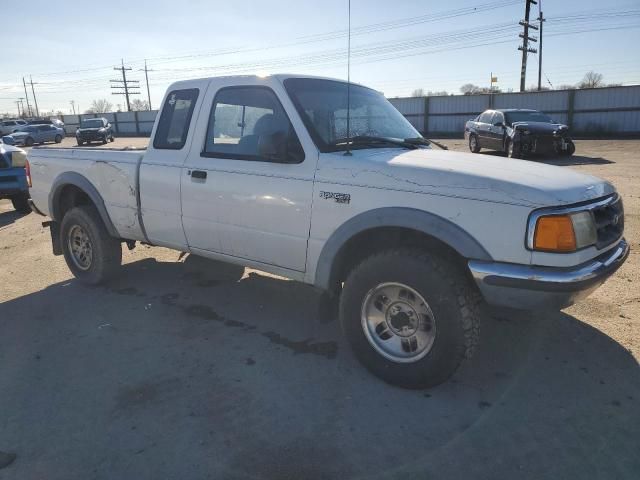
x: 247, y: 183
x: 161, y: 166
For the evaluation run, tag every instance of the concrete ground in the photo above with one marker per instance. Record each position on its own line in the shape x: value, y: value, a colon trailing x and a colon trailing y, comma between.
x: 178, y: 370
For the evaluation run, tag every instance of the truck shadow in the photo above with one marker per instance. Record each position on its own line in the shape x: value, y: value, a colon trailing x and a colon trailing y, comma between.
x: 242, y: 374
x: 8, y: 217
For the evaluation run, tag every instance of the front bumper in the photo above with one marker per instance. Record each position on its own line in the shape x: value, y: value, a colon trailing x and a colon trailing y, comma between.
x: 544, y: 288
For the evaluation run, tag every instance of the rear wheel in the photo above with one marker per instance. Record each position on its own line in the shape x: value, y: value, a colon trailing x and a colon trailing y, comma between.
x: 92, y: 255
x: 410, y: 316
x: 474, y: 145
x: 80, y: 143
x: 21, y: 203
x: 28, y: 142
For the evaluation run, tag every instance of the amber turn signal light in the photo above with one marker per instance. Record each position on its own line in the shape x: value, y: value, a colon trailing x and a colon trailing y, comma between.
x: 555, y: 233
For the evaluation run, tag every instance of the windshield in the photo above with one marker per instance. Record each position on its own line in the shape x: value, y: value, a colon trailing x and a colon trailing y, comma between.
x: 322, y: 104
x: 92, y: 123
x: 512, y: 117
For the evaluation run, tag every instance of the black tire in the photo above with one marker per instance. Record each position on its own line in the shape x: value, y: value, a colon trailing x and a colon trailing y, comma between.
x: 80, y: 143
x: 513, y: 150
x: 21, y: 203
x: 28, y: 142
x: 453, y: 300
x: 105, y: 139
x: 58, y: 138
x: 571, y: 149
x: 106, y: 251
x: 111, y: 139
x: 474, y: 143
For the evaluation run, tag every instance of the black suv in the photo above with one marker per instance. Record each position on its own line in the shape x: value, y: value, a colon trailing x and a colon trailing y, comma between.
x: 518, y: 132
x: 94, y: 130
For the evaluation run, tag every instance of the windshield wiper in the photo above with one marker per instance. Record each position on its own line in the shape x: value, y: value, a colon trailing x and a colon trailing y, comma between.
x: 371, y: 140
x: 424, y: 141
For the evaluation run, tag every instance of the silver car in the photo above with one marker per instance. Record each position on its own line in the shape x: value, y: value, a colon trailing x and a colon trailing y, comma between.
x: 30, y: 134
x: 10, y: 126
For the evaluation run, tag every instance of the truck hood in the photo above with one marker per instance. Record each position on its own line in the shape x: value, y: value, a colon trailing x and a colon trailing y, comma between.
x: 539, y: 127
x: 463, y: 175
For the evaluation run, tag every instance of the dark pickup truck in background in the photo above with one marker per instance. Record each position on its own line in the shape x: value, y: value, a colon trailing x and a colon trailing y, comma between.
x: 518, y: 132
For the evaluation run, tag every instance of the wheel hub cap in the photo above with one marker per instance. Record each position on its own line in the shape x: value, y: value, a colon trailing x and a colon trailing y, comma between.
x: 398, y: 322
x: 80, y: 247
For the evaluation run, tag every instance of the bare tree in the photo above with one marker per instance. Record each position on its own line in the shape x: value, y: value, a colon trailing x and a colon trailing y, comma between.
x: 418, y: 92
x: 100, y: 106
x: 591, y: 79
x: 138, y: 105
x: 471, y: 89
x: 565, y: 87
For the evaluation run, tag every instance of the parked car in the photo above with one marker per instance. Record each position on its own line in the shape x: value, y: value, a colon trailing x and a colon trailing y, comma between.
x: 262, y: 172
x: 48, y: 121
x: 94, y: 130
x: 10, y: 126
x: 15, y: 179
x: 30, y: 134
x: 518, y: 132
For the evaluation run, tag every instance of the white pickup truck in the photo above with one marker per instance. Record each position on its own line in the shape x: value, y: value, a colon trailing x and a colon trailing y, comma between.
x: 271, y: 173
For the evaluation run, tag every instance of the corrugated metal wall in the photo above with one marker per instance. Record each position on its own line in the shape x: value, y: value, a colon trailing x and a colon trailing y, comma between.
x: 597, y: 111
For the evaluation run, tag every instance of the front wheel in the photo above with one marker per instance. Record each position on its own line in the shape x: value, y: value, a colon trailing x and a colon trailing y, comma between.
x: 92, y: 255
x: 58, y: 138
x: 513, y: 150
x: 474, y: 145
x: 28, y: 142
x: 571, y: 149
x: 410, y: 316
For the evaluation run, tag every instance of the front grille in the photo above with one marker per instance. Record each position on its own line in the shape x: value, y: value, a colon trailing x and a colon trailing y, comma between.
x: 609, y: 220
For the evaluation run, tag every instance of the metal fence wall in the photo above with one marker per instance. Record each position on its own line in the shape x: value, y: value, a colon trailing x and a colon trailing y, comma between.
x: 125, y: 124
x: 593, y: 112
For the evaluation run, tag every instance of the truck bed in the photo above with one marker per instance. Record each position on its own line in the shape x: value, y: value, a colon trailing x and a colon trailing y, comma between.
x: 113, y: 172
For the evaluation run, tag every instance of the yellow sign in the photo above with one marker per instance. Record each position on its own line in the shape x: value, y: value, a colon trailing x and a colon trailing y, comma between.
x: 494, y: 79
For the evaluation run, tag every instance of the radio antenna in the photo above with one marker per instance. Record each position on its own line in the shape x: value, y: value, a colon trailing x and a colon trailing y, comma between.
x: 348, y: 152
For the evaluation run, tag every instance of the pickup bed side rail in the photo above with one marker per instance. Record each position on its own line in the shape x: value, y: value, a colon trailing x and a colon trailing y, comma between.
x: 428, y: 223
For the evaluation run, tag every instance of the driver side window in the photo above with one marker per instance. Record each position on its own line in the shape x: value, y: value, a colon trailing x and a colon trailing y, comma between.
x: 249, y: 123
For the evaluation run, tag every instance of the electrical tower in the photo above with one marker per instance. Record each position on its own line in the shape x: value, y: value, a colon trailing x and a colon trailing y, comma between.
x: 525, y: 42
x: 128, y: 87
x: 26, y: 95
x: 541, y: 20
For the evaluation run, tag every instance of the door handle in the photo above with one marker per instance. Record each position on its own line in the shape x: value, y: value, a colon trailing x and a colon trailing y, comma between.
x: 201, y: 174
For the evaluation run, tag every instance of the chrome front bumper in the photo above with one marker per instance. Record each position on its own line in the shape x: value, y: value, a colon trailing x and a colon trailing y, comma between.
x: 545, y: 288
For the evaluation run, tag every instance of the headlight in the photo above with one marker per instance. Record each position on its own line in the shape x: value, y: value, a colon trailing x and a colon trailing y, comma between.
x: 563, y: 233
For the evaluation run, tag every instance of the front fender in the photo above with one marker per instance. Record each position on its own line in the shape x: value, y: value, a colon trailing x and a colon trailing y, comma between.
x: 433, y: 225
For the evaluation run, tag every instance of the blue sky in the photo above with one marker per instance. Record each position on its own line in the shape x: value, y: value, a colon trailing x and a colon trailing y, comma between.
x: 398, y: 46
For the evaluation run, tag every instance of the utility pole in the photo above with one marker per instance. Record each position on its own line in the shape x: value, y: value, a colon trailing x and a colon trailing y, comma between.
x: 26, y: 95
x: 35, y: 102
x: 18, y: 102
x: 541, y: 20
x: 125, y: 85
x: 525, y: 42
x: 146, y: 76
x: 73, y: 106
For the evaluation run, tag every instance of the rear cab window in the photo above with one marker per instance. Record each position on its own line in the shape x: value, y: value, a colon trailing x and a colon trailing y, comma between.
x: 175, y: 118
